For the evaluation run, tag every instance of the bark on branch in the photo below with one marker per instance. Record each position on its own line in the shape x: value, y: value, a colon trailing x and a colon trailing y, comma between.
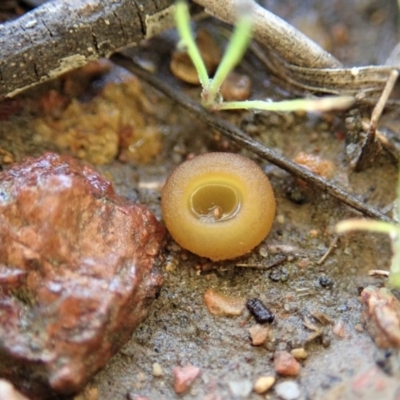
x: 65, y: 34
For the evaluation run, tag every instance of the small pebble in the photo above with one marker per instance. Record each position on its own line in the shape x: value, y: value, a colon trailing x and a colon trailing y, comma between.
x: 236, y: 87
x: 263, y: 251
x: 326, y: 282
x: 299, y: 353
x: 339, y: 329
x: 258, y: 334
x: 280, y: 219
x: 222, y: 305
x: 303, y: 263
x: 313, y: 233
x: 359, y: 328
x: 263, y: 383
x: 184, y: 377
x: 240, y: 388
x: 157, y: 370
x: 288, y: 390
x: 285, y: 364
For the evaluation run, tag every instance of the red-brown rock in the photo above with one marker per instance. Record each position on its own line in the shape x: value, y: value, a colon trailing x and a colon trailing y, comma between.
x: 184, y: 377
x: 76, y: 273
x: 381, y: 316
x: 285, y: 364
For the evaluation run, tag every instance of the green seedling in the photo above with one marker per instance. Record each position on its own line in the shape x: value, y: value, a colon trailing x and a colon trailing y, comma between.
x: 391, y: 229
x: 210, y: 96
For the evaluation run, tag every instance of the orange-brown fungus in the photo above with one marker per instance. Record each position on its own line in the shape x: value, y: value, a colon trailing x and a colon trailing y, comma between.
x: 315, y: 164
x: 218, y: 205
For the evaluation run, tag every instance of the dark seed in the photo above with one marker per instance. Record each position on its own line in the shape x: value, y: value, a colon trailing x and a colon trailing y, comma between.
x: 324, y: 281
x: 259, y: 311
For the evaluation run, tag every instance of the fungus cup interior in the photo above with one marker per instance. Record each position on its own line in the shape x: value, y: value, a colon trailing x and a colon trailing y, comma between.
x: 215, y: 202
x: 218, y: 205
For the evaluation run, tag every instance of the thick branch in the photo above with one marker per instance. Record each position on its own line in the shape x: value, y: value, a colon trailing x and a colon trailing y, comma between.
x: 62, y: 35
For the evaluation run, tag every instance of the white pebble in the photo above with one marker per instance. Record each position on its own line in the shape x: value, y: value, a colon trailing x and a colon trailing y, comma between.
x: 288, y: 390
x: 241, y: 388
x: 157, y: 370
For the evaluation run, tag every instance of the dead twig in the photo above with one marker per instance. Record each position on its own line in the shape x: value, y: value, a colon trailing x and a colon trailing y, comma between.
x: 274, y: 262
x: 378, y: 272
x: 366, y: 83
x: 372, y: 144
x: 329, y: 251
x: 237, y: 135
x: 276, y: 34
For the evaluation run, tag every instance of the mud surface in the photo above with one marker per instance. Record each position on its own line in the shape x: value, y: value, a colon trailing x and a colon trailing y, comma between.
x: 311, y: 300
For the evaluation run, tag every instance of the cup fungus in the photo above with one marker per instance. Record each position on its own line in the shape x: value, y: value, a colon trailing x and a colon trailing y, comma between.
x: 218, y: 205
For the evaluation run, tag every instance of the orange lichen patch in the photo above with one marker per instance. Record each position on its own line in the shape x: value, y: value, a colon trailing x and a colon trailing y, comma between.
x: 112, y: 125
x: 222, y: 305
x: 182, y: 66
x: 218, y: 205
x: 315, y: 164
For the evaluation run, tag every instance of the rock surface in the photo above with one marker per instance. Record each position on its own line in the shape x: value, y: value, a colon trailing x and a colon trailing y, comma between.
x: 76, y: 273
x: 381, y: 316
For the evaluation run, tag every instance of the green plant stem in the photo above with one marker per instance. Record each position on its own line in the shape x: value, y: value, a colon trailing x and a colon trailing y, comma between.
x: 394, y: 274
x: 236, y: 48
x: 393, y: 230
x: 182, y: 19
x: 366, y: 225
x: 316, y: 105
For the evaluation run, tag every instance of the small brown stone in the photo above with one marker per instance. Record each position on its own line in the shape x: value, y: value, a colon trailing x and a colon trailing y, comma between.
x: 76, y: 273
x: 285, y: 364
x: 184, y: 377
x: 339, y: 330
x: 236, y: 87
x: 222, y: 305
x: 299, y: 353
x: 181, y: 65
x: 258, y: 334
x: 358, y: 328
